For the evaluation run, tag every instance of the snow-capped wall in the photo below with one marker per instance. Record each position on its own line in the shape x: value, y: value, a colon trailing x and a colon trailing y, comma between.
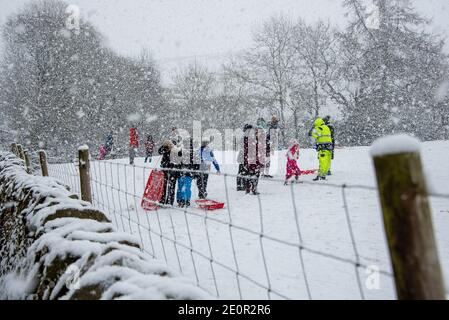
x: 54, y: 246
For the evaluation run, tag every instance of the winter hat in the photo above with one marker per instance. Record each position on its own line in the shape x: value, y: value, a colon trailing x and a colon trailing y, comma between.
x: 205, y: 142
x: 294, y: 142
x: 167, y: 143
x: 261, y: 123
x: 247, y: 127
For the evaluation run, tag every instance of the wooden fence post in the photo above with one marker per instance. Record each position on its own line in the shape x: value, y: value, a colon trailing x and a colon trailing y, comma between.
x: 26, y: 157
x: 43, y: 163
x: 407, y: 220
x: 20, y: 152
x: 84, y: 167
x: 14, y: 148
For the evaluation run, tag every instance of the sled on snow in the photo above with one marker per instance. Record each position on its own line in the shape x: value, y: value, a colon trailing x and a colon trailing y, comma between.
x: 308, y: 172
x: 153, y: 191
x: 209, y: 205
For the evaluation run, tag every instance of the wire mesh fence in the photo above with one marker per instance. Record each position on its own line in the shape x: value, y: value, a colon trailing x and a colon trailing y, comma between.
x: 276, y: 245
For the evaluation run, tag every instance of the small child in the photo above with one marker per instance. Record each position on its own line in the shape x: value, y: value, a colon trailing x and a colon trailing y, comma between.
x: 102, y: 154
x: 184, y: 193
x: 292, y: 166
x: 149, y: 148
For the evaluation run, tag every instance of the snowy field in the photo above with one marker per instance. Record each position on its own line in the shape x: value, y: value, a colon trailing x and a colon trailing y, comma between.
x: 226, y: 241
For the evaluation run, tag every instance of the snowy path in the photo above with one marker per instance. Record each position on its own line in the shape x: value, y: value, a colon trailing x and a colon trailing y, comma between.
x: 321, y: 220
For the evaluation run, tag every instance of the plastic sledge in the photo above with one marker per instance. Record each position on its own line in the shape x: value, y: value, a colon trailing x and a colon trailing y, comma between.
x: 153, y: 191
x: 209, y: 205
x: 308, y: 172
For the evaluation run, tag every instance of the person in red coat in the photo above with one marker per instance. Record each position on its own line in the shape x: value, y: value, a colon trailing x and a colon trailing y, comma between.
x: 133, y: 143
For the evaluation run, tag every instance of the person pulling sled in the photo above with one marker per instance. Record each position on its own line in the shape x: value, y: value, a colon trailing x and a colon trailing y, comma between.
x: 292, y: 169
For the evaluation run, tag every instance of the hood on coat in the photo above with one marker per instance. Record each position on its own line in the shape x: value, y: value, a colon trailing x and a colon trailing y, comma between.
x: 167, y: 143
x: 318, y: 122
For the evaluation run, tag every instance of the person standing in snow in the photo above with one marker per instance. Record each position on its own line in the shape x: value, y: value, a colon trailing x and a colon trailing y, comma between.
x: 133, y: 143
x: 149, y: 148
x: 272, y: 138
x: 166, y: 150
x: 253, y: 159
x: 102, y: 153
x: 109, y: 144
x: 327, y: 121
x: 175, y: 137
x: 262, y: 128
x: 188, y: 164
x: 292, y: 169
x: 321, y: 133
x: 240, y: 159
x: 207, y: 158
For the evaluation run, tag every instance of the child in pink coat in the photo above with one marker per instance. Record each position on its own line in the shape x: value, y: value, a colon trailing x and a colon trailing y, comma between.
x: 102, y: 154
x: 292, y: 165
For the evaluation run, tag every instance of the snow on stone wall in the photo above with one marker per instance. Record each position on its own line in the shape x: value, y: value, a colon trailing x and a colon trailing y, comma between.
x: 54, y: 246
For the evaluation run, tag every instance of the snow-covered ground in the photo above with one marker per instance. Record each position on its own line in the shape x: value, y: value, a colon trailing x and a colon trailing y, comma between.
x: 237, y: 245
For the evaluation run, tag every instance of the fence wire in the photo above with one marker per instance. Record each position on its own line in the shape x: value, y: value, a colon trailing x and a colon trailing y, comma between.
x: 186, y: 238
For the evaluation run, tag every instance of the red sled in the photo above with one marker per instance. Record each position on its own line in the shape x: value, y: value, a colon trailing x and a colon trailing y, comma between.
x: 209, y: 205
x: 153, y: 191
x: 308, y: 172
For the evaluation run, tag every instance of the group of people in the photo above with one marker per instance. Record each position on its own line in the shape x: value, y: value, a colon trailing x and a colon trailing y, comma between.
x: 323, y: 135
x: 255, y: 151
x: 134, y: 145
x: 107, y: 147
x: 257, y: 146
x: 183, y: 163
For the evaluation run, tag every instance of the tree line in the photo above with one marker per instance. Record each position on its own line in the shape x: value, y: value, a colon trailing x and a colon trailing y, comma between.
x: 384, y: 73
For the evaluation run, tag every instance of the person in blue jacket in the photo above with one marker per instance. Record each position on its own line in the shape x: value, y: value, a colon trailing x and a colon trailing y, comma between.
x: 207, y: 158
x: 188, y: 167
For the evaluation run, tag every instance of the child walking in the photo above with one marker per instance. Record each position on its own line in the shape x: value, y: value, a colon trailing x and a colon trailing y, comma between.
x: 184, y: 193
x: 149, y: 148
x: 292, y: 169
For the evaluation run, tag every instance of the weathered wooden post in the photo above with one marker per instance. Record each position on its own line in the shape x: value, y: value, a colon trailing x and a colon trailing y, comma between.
x: 26, y: 157
x: 84, y: 167
x: 43, y: 163
x: 14, y: 148
x: 20, y: 152
x: 407, y: 218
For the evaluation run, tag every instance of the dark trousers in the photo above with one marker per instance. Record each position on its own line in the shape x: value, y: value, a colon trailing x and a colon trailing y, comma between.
x: 240, y: 180
x: 132, y: 155
x: 168, y: 196
x: 201, y: 183
x: 148, y: 156
x: 251, y: 180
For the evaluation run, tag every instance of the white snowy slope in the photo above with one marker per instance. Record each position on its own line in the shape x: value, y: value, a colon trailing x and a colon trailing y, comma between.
x: 320, y: 216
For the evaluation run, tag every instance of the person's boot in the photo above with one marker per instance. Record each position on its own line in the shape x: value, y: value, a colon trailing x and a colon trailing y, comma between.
x: 329, y: 173
x: 318, y: 178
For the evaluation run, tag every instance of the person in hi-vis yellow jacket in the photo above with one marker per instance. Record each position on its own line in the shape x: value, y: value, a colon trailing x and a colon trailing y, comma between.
x: 322, y: 135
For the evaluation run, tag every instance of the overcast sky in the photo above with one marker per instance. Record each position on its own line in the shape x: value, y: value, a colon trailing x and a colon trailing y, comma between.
x: 177, y: 31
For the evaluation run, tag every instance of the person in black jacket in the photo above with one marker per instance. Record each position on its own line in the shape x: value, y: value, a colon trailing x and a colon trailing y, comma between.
x: 240, y: 159
x: 170, y: 177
